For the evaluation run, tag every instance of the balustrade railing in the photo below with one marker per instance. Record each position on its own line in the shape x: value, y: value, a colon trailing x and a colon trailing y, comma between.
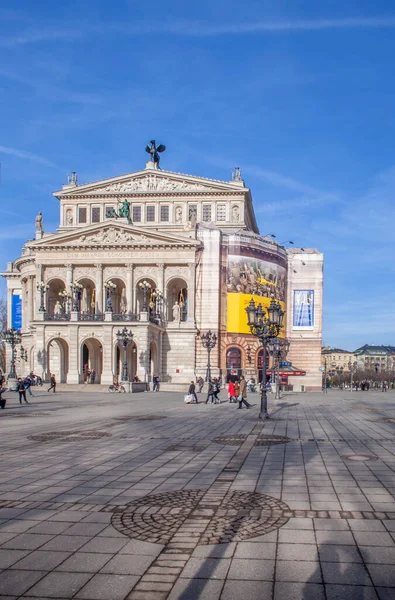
x: 63, y: 317
x: 125, y: 317
x: 91, y: 317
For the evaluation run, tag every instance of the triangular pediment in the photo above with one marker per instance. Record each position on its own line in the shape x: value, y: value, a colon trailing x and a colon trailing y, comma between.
x: 150, y: 181
x: 113, y: 234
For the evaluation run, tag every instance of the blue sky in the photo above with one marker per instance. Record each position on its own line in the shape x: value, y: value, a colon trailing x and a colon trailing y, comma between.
x: 299, y: 95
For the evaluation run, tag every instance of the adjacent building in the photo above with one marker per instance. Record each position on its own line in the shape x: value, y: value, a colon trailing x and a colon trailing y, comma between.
x: 168, y: 256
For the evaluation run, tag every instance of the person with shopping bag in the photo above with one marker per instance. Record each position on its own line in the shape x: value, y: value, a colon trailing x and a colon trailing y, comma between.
x: 192, y: 393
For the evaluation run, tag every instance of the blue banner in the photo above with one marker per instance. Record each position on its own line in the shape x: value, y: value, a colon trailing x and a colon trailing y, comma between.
x: 16, y: 320
x: 303, y: 316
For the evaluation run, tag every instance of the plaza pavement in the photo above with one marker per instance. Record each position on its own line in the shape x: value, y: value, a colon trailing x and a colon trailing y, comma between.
x: 113, y: 497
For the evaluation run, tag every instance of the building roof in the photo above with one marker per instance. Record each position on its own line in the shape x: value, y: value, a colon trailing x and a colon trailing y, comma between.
x: 335, y: 351
x: 374, y: 350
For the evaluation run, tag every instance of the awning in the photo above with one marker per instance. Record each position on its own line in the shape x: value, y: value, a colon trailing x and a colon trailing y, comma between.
x: 286, y: 369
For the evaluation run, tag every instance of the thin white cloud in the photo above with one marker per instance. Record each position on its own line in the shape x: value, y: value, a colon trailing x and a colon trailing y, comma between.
x: 26, y: 155
x: 196, y: 29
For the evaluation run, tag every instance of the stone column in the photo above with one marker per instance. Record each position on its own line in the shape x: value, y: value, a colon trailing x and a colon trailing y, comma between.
x: 129, y: 287
x: 31, y: 298
x: 69, y: 277
x: 99, y: 288
x: 25, y: 309
x: 161, y: 277
x: 191, y: 292
x: 107, y: 376
x: 73, y: 376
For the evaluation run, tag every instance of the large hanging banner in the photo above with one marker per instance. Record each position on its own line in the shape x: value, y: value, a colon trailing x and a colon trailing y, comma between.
x: 252, y: 278
x: 16, y: 319
x: 303, y: 309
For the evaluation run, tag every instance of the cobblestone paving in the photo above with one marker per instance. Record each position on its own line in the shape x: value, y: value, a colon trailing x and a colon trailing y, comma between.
x: 325, y: 523
x: 262, y: 440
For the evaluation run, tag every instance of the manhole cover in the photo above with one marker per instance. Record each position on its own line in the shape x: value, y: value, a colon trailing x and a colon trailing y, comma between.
x: 140, y: 418
x: 271, y: 440
x: 25, y: 415
x: 262, y: 440
x: 68, y: 436
x: 360, y: 457
x: 237, y: 516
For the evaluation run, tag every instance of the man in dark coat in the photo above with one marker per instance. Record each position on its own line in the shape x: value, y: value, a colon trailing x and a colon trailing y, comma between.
x: 192, y: 391
x: 243, y: 393
x: 20, y: 388
x: 53, y: 384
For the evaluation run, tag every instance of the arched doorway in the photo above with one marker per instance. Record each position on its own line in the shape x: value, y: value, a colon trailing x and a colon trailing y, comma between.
x: 88, y: 296
x: 131, y: 354
x: 233, y: 363
x: 260, y: 363
x: 150, y: 304
x: 91, y: 361
x: 118, y: 298
x: 177, y: 295
x: 58, y: 359
x: 56, y: 304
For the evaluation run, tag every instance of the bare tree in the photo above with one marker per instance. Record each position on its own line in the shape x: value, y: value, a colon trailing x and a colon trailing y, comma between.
x: 3, y: 326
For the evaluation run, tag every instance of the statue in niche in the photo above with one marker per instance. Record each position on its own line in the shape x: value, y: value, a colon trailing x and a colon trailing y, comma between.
x: 69, y: 217
x: 39, y: 223
x: 58, y: 310
x: 178, y: 214
x: 235, y: 214
x: 192, y: 216
x: 176, y: 312
x: 124, y: 306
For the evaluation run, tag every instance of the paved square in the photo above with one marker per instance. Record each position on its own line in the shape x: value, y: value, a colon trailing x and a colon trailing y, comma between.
x: 142, y: 497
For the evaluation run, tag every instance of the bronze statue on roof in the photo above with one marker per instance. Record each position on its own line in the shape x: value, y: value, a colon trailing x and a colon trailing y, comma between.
x: 154, y: 150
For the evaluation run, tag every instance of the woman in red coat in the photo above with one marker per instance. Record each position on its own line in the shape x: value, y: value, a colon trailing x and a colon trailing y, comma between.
x: 231, y: 392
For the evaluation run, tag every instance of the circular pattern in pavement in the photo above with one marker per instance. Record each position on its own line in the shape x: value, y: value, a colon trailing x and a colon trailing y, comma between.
x: 235, y: 517
x: 360, y: 457
x: 238, y: 439
x: 68, y: 436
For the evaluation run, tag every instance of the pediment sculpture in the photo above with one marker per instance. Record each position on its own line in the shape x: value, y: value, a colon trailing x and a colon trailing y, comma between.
x: 153, y: 183
x: 109, y: 236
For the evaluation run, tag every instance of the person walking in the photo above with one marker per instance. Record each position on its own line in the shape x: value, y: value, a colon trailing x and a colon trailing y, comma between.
x: 53, y: 384
x: 192, y: 391
x: 92, y: 376
x: 210, y: 392
x: 200, y: 383
x: 231, y: 391
x: 20, y: 388
x: 243, y: 393
x: 28, y: 383
x: 2, y: 390
x: 216, y: 389
x: 155, y: 381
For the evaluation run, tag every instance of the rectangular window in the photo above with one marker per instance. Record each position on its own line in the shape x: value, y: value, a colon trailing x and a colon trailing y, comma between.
x: 150, y: 213
x: 221, y: 212
x: 95, y: 214
x: 109, y: 210
x: 81, y: 214
x: 207, y: 213
x: 136, y: 214
x: 164, y: 213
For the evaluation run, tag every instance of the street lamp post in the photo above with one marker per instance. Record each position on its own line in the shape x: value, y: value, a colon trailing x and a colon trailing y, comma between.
x: 76, y: 290
x: 23, y: 353
x: 157, y: 299
x: 209, y: 341
x: 110, y: 288
x: 42, y: 288
x: 278, y: 349
x: 325, y: 376
x: 339, y: 371
x: 265, y: 326
x: 144, y: 286
x: 126, y: 338
x: 13, y: 338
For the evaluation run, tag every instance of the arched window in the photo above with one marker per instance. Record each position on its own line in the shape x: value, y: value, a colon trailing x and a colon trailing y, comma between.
x: 233, y: 362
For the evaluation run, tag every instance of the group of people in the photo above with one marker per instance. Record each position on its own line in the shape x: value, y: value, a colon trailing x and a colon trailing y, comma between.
x: 23, y: 385
x: 89, y: 374
x: 237, y: 391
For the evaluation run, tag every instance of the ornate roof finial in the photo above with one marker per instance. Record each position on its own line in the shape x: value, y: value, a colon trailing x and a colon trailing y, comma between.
x: 73, y: 178
x: 236, y: 174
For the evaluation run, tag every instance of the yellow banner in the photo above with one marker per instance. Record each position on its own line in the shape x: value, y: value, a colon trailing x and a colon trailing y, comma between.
x: 237, y: 316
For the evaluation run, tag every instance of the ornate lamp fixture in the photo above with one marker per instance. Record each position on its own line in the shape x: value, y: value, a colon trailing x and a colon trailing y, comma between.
x: 23, y: 353
x: 209, y: 341
x: 42, y: 288
x: 13, y: 338
x: 110, y: 288
x: 158, y: 299
x: 265, y: 326
x: 65, y: 299
x: 145, y: 286
x: 126, y: 338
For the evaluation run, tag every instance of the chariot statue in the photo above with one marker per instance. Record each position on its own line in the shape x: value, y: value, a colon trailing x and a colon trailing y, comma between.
x: 154, y: 150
